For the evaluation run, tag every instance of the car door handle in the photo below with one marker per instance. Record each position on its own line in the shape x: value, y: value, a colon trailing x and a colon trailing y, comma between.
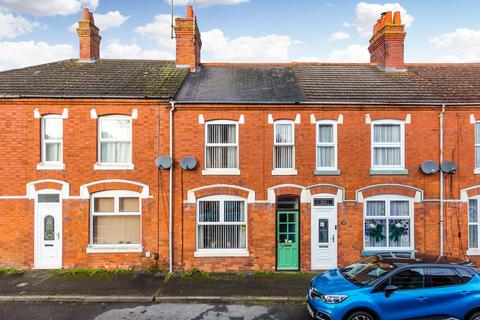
x: 421, y: 299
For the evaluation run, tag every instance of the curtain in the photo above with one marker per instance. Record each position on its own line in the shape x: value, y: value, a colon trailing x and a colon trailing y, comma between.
x: 477, y: 156
x: 325, y: 157
x: 284, y: 133
x: 52, y: 151
x: 221, y: 133
x: 376, y: 208
x: 116, y: 229
x: 221, y: 157
x: 209, y: 211
x: 325, y: 133
x: 387, y: 133
x: 116, y: 152
x: 387, y: 156
x: 234, y: 211
x: 473, y: 236
x: 222, y: 236
x: 399, y: 208
x: 129, y: 205
x: 104, y: 205
x: 284, y: 157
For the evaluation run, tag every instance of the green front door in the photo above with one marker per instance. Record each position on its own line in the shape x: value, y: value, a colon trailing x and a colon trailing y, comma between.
x: 287, y: 240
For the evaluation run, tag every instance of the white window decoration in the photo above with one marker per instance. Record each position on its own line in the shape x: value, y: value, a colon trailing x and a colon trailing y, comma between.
x: 115, y: 140
x: 388, y: 223
x: 221, y: 225
x: 52, y: 140
x: 326, y: 145
x: 221, y: 145
x: 473, y: 222
x: 284, y: 145
x: 477, y: 145
x: 388, y: 144
x: 115, y: 219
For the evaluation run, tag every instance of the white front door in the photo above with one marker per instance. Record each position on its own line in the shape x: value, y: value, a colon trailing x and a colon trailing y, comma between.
x: 48, y: 232
x: 324, y: 233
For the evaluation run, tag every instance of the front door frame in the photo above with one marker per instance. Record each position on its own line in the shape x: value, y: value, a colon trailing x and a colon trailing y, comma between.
x: 333, y: 218
x: 59, y: 234
x: 298, y: 231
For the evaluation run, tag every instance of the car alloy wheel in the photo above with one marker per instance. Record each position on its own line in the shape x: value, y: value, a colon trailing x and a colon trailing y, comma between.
x: 360, y: 316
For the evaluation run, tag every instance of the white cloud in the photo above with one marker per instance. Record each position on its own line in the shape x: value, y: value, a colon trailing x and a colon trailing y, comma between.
x: 463, y: 44
x: 116, y: 50
x: 366, y: 15
x: 206, y: 2
x: 26, y: 53
x: 12, y: 26
x: 351, y: 53
x: 112, y: 19
x: 48, y: 7
x: 309, y: 59
x: 338, y: 36
x: 159, y: 30
x: 267, y: 48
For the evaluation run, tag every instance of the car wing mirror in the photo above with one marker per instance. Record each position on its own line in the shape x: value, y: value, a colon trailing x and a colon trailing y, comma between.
x: 389, y: 290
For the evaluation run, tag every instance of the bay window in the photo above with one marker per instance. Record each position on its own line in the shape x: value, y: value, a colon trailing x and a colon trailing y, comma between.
x: 115, y: 141
x: 388, y: 145
x: 221, y: 146
x: 221, y: 226
x: 284, y: 147
x: 388, y: 223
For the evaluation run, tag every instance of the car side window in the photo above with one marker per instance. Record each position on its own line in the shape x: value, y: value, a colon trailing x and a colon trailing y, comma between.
x: 465, y: 274
x: 440, y: 277
x: 413, y: 278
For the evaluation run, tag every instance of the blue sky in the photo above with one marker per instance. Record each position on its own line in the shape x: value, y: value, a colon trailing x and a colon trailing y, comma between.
x: 33, y: 32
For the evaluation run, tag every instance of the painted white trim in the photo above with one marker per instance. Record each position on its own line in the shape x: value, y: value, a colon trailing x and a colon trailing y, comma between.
x: 65, y: 113
x: 134, y: 113
x: 117, y: 166
x: 93, y: 114
x: 104, y: 166
x: 464, y: 193
x: 270, y: 118
x: 472, y: 119
x: 400, y: 144
x: 331, y: 213
x: 221, y: 172
x: 221, y: 253
x: 418, y: 195
x: 241, y: 120
x: 284, y: 172
x: 32, y: 193
x: 193, y: 200
x: 473, y: 252
x: 36, y: 113
x: 340, y: 195
x: 144, y: 194
x: 476, y: 171
x: 408, y: 118
x: 368, y: 120
x: 122, y: 248
x: 333, y: 144
x: 201, y: 119
x: 47, y: 166
x: 305, y: 195
x: 297, y: 119
x: 43, y: 141
x: 313, y: 120
x: 340, y: 119
x: 236, y: 144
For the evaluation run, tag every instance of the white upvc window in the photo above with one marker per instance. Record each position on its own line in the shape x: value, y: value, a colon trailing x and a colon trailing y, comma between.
x: 473, y: 223
x: 388, y: 145
x: 221, y: 147
x: 477, y: 147
x: 326, y: 145
x: 115, y: 142
x: 51, y: 142
x: 388, y: 223
x: 221, y: 226
x: 115, y: 221
x: 284, y: 147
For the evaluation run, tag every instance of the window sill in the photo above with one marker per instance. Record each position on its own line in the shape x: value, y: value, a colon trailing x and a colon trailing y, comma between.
x: 371, y: 252
x: 47, y: 166
x: 284, y: 172
x: 221, y: 253
x: 334, y: 172
x: 101, y: 166
x: 386, y: 172
x: 476, y: 171
x: 119, y: 248
x: 473, y: 252
x: 221, y: 172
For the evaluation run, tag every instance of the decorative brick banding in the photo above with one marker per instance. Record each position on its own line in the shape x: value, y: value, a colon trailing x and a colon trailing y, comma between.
x: 288, y: 190
x: 404, y: 191
x: 48, y: 185
x: 221, y: 191
x: 324, y: 189
x: 114, y: 186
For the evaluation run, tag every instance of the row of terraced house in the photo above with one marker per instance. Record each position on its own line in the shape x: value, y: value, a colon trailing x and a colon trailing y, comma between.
x: 281, y: 166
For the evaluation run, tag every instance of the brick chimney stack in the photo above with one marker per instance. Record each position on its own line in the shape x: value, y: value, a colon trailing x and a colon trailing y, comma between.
x: 89, y: 37
x: 189, y: 42
x: 387, y: 43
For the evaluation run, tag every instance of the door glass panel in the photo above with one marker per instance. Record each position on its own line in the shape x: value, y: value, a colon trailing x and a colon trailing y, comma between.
x: 49, y: 198
x: 292, y: 237
x: 282, y: 238
x: 291, y: 217
x: 291, y: 227
x: 283, y: 218
x: 283, y: 228
x: 323, y: 202
x: 409, y: 279
x: 323, y: 231
x: 49, y: 228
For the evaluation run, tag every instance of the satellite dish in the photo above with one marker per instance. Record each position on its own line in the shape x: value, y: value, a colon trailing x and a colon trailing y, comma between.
x: 429, y: 167
x: 449, y: 167
x: 188, y: 163
x: 164, y: 162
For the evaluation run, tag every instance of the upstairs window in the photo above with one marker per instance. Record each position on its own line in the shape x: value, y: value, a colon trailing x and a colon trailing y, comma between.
x: 52, y: 139
x: 284, y: 145
x: 388, y: 144
x: 221, y: 145
x: 115, y: 140
x: 326, y: 145
x: 477, y: 145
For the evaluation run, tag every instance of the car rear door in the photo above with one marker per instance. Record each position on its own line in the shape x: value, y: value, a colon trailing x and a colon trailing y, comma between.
x: 408, y: 301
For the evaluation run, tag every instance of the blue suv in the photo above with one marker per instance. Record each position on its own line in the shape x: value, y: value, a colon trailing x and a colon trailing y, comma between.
x: 390, y: 288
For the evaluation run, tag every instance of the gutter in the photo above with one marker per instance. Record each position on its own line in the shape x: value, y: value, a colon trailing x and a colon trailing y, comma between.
x: 170, y: 189
x: 79, y: 97
x: 353, y: 103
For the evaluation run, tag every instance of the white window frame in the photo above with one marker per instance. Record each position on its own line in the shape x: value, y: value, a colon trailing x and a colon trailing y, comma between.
x: 387, y: 199
x: 400, y: 144
x: 334, y: 144
x: 115, y: 165
x: 44, y: 164
x: 221, y: 252
x: 221, y: 171
x: 284, y: 171
x: 477, y: 144
x: 116, y: 194
x: 473, y: 251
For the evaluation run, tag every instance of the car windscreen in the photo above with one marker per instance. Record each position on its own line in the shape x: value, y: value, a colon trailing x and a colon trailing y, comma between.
x: 367, y: 270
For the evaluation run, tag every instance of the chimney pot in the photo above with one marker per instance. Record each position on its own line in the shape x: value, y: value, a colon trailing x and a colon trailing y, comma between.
x: 388, y: 18
x: 397, y: 20
x: 85, y: 14
x: 190, y: 12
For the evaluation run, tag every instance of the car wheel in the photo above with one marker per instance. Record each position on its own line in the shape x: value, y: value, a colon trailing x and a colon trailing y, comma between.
x: 361, y: 315
x: 475, y: 316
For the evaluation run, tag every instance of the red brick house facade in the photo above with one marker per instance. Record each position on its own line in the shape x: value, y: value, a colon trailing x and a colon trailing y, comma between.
x: 299, y: 166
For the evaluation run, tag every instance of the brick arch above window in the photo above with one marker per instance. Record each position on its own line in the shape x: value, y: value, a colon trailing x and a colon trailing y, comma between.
x: 105, y: 185
x: 47, y: 184
x: 289, y: 189
x: 469, y: 192
x: 220, y: 189
x: 332, y: 189
x: 383, y: 189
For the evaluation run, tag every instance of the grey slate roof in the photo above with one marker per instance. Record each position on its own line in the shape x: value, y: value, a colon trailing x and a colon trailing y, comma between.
x: 241, y: 84
x: 103, y: 78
